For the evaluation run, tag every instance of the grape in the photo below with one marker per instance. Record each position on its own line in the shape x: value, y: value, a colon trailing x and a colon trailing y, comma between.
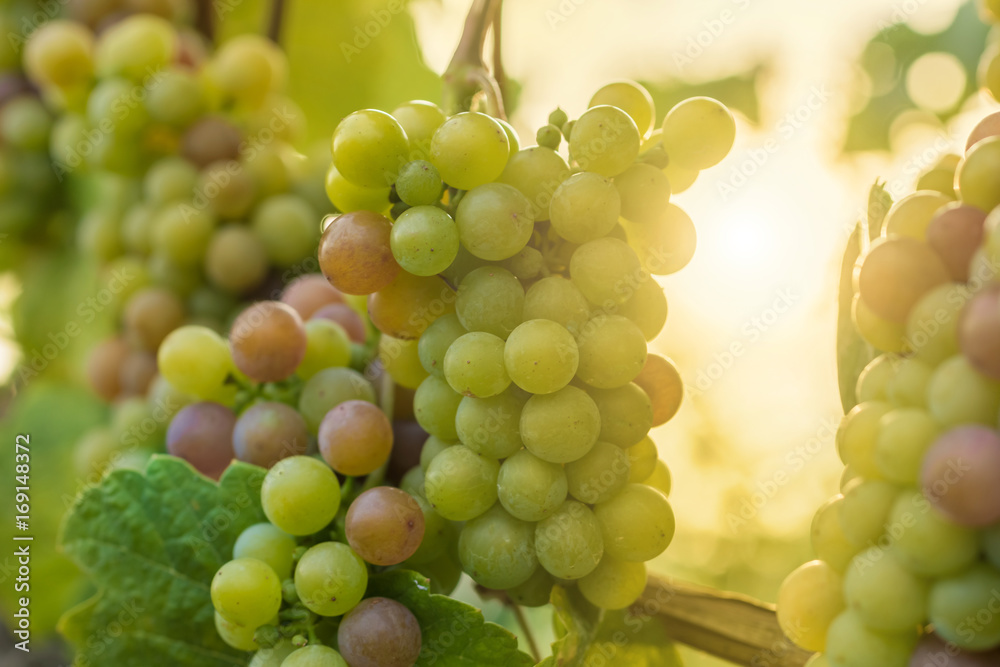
x: 924, y: 542
x: 182, y: 233
x: 666, y: 245
x: 268, y: 544
x: 535, y: 592
x: 896, y: 273
x: 202, y: 434
x: 461, y: 484
x: 355, y: 438
x: 314, y: 655
x: 286, y: 225
x: 541, y: 356
x: 329, y: 388
x: 568, y: 543
x: 439, y: 535
x: 443, y: 574
x: 236, y: 260
x: 60, y: 53
x: 644, y: 191
x: 177, y: 99
x: 136, y: 46
x: 977, y: 331
x: 536, y: 173
x: 562, y: 426
x: 530, y: 488
x: 637, y: 524
x: 829, y: 541
x: 247, y: 592
x: 490, y: 426
x: 599, y: 475
x: 863, y: 512
x: 354, y: 253
x: 605, y: 271
x: 419, y: 184
x: 436, y: 340
x: 435, y: 405
x: 958, y: 394
x: 955, y: 601
x: 171, y: 179
x: 528, y: 263
x: 642, y: 462
x: 300, y: 495
x: 308, y: 293
x: 498, y: 550
x: 911, y: 215
x: 469, y: 150
x: 474, y: 365
x: 975, y: 178
x: 955, y: 233
x: 857, y: 436
x: 136, y: 373
x: 647, y: 308
x: 424, y: 240
x: 384, y: 525
x: 883, y: 593
x: 238, y: 636
x: 413, y: 482
x: 513, y: 141
x: 908, y: 387
x: 380, y: 632
x: 904, y: 436
x: 431, y: 448
x: 247, y: 68
x: 327, y: 345
x: 631, y: 98
x: 268, y: 341
x: 195, y: 360
x: 585, y: 207
x: 626, y: 414
x: 698, y: 132
x: 369, y: 147
x: 330, y: 579
x: 612, y: 352
x: 211, y: 140
x: 614, y: 584
x: 490, y: 299
x: 420, y: 119
x: 808, y: 601
x: 604, y: 140
x: 348, y: 197
x: 871, y: 385
x: 494, y: 221
x: 400, y: 359
x: 25, y: 123
x: 103, y: 367
x: 960, y: 476
x: 876, y: 331
x: 348, y: 319
x: 409, y: 304
x: 662, y: 382
x: 267, y: 432
x: 932, y: 327
x: 850, y: 643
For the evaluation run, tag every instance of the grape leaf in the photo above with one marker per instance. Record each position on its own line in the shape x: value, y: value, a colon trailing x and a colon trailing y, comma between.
x: 152, y: 543
x: 454, y: 633
x: 577, y: 623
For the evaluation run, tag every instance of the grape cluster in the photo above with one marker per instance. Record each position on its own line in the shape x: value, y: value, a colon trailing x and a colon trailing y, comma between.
x: 908, y: 554
x: 514, y: 292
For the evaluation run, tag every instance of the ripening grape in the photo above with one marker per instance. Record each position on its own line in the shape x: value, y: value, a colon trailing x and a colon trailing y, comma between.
x: 379, y: 632
x: 896, y: 273
x: 976, y: 176
x: 268, y: 341
x: 348, y: 319
x: 308, y: 293
x: 955, y: 232
x: 961, y: 475
x: 698, y: 132
x: 642, y: 462
x: 209, y: 140
x: 202, y: 434
x: 104, y: 365
x: 384, y: 525
x: 626, y: 414
x: 369, y: 147
x: 419, y: 184
x: 647, y: 308
x: 864, y: 510
x: 474, y: 365
x: 269, y: 431
x: 535, y: 592
x: 348, y: 197
x: 247, y: 68
x: 469, y: 150
x: 612, y: 352
x: 401, y: 360
x: 355, y: 437
x: 959, y: 394
x: 644, y: 191
x: 300, y: 495
x: 408, y: 305
x: 327, y: 345
x: 247, y: 592
x: 355, y: 254
x: 933, y: 324
x: 911, y: 215
x: 978, y: 328
x: 877, y: 331
x: 286, y: 225
x: 236, y: 260
x: 330, y: 579
x: 329, y: 388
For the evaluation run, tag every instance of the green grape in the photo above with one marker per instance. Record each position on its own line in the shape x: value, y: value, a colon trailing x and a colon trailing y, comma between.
x: 435, y: 405
x: 626, y: 414
x: 605, y: 271
x: 829, y: 542
x: 435, y: 445
x: 557, y: 299
x: 424, y: 240
x: 568, y: 542
x: 926, y: 543
x: 666, y: 246
x: 314, y: 655
x: 268, y: 544
x: 647, y: 307
x: 409, y: 304
x: 864, y: 510
x: 976, y: 176
x: 904, y: 436
x: 226, y: 188
x: 330, y: 579
x: 883, y: 593
x: 680, y: 179
x: 135, y: 47
x: 562, y: 426
x: 858, y: 434
x: 169, y: 180
x: 490, y: 299
x: 400, y: 360
x: 612, y: 352
x: 461, y: 484
x: 932, y: 327
x: 958, y: 394
x: 419, y: 184
x: 536, y: 173
x: 25, y: 123
x: 413, y: 482
x: 498, y: 550
x: 513, y: 141
x: 436, y: 340
x: 272, y: 657
x: 850, y: 643
x: 808, y: 601
x: 300, y: 495
x: 469, y: 150
x: 535, y: 592
x: 248, y: 68
x: 660, y: 479
x: 604, y: 140
x: 528, y: 263
x: 541, y: 356
x: 238, y: 636
x: 878, y: 332
x: 991, y: 544
x: 177, y: 99
x: 644, y: 191
x: 615, y: 584
x: 530, y: 488
x: 631, y: 98
x: 584, y: 207
x: 182, y: 233
x: 369, y: 147
x: 236, y: 260
x: 384, y: 525
x: 911, y: 215
x: 286, y: 224
x: 246, y: 592
x: 874, y: 379
x: 908, y: 387
x: 348, y: 197
x: 599, y: 475
x: 195, y: 359
x: 494, y: 221
x: 642, y: 462
x: 329, y: 388
x: 490, y: 426
x: 113, y: 108
x: 327, y: 345
x: 98, y: 234
x: 637, y: 524
x: 443, y: 573
x: 439, y: 534
x: 698, y: 132
x: 60, y: 53
x: 420, y: 119
x: 548, y: 136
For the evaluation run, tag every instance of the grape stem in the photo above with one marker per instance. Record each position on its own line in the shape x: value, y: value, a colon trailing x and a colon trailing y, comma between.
x: 276, y: 20
x: 203, y: 20
x: 467, y: 73
x: 529, y: 636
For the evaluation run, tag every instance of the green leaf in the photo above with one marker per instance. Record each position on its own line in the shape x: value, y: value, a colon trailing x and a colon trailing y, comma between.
x: 632, y: 638
x: 152, y: 543
x: 577, y: 623
x: 454, y: 633
x: 738, y: 91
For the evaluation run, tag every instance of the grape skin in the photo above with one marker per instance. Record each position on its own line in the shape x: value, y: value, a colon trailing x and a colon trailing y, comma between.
x: 300, y: 495
x: 380, y: 632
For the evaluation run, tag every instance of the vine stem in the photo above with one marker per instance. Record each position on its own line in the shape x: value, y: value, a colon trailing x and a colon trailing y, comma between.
x: 467, y: 74
x: 276, y: 20
x: 529, y: 636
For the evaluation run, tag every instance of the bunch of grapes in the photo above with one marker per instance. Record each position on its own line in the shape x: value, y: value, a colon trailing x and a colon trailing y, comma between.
x: 514, y: 291
x: 908, y: 554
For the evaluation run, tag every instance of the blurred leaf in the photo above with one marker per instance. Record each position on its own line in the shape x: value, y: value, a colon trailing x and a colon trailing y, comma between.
x: 887, y: 59
x: 577, y: 623
x: 738, y: 92
x: 632, y: 638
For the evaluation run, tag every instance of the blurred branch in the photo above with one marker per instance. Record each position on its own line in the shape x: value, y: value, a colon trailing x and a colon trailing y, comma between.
x: 467, y: 73
x: 499, y: 75
x: 276, y: 20
x: 204, y: 22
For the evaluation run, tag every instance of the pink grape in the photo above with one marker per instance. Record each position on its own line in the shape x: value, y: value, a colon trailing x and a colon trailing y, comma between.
x: 961, y: 475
